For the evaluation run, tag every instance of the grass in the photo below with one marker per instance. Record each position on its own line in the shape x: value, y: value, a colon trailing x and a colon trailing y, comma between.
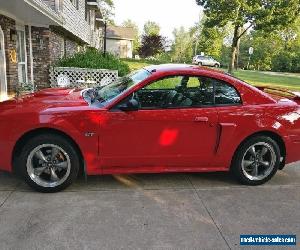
x: 265, y: 78
x: 285, y: 80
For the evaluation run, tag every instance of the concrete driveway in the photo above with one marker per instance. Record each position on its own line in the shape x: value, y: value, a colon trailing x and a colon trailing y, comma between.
x: 159, y: 211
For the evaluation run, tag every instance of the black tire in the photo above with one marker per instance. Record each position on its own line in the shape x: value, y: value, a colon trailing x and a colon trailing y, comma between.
x: 200, y: 63
x: 217, y: 65
x: 59, y: 141
x: 237, y: 167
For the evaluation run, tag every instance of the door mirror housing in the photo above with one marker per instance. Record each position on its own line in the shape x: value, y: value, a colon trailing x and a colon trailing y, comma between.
x: 130, y: 105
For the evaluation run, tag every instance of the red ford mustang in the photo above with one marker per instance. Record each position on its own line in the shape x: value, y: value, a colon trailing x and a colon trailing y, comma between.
x: 167, y: 118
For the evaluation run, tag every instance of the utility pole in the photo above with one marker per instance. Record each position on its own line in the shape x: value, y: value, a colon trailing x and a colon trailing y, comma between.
x: 104, y: 35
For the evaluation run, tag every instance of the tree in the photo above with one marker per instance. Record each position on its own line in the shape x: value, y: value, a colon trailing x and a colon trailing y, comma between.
x: 136, y: 42
x: 107, y: 9
x: 152, y: 45
x: 245, y: 15
x: 151, y: 28
x: 291, y: 35
x: 182, y: 47
x: 209, y: 40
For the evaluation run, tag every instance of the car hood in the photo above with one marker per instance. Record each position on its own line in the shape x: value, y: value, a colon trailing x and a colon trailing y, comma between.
x: 46, y: 100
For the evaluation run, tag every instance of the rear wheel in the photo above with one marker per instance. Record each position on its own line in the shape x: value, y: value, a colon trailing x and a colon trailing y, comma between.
x: 256, y: 161
x: 217, y: 65
x: 49, y: 163
x: 200, y: 63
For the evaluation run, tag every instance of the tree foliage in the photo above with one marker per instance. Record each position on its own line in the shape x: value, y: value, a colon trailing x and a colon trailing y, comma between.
x: 209, y: 40
x: 136, y: 42
x: 265, y: 15
x: 277, y: 51
x: 94, y: 59
x: 107, y: 9
x: 182, y: 47
x: 151, y: 28
x: 198, y: 39
x: 152, y: 45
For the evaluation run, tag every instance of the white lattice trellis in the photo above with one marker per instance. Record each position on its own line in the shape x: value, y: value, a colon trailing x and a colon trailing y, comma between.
x: 82, y: 77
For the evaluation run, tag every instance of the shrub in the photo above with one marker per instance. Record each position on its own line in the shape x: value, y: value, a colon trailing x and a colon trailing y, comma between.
x: 283, y: 62
x: 94, y: 59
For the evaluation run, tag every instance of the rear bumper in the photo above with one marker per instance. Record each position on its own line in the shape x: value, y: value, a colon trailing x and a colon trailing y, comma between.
x: 292, y: 148
x: 6, y: 149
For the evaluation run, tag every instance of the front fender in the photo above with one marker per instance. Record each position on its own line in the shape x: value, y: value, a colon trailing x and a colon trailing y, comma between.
x: 82, y: 128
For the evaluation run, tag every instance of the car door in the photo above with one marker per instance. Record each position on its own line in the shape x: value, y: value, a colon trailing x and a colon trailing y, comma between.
x: 207, y: 61
x: 210, y: 61
x: 174, y: 131
x: 234, y: 121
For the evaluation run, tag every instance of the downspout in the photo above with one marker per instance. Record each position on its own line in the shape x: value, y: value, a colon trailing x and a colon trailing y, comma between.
x: 31, y: 57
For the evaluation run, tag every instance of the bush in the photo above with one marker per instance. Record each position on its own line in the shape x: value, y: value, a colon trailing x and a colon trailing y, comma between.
x: 94, y: 59
x: 283, y: 62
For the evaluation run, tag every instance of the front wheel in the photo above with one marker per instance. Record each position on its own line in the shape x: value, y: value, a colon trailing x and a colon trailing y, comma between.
x: 256, y: 161
x: 49, y: 163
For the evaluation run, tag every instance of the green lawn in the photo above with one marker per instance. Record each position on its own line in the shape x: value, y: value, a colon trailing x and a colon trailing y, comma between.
x: 291, y: 81
x: 286, y: 80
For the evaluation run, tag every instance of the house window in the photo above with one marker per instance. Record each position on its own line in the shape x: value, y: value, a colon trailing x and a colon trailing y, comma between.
x: 21, y: 51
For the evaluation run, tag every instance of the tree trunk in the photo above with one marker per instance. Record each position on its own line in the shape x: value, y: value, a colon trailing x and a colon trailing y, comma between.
x: 234, y: 48
x: 237, y: 55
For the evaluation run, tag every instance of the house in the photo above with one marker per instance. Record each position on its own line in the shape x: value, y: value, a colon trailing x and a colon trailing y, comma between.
x: 119, y: 41
x: 36, y: 33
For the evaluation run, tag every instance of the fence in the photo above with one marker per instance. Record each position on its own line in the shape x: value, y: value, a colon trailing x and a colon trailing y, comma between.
x: 81, y: 77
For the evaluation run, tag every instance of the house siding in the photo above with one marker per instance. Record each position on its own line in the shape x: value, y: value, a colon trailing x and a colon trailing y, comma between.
x: 50, y: 3
x: 75, y: 20
x: 120, y: 47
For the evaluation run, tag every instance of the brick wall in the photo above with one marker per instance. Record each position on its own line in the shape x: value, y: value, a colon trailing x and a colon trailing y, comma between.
x: 47, y: 47
x: 71, y: 47
x: 56, y: 47
x: 8, y: 25
x: 41, y: 54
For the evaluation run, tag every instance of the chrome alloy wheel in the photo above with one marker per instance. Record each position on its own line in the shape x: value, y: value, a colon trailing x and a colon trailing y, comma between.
x: 48, y: 165
x: 259, y: 161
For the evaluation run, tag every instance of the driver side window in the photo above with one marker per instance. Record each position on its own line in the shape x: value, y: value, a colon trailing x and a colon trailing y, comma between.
x: 176, y: 92
x: 186, y: 92
x: 159, y: 94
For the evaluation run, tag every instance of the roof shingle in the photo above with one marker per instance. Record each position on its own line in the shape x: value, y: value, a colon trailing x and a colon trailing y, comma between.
x: 122, y: 33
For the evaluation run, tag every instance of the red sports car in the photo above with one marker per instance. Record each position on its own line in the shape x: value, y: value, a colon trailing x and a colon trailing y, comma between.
x: 166, y: 118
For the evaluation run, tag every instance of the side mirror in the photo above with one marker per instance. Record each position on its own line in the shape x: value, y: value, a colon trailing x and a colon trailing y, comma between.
x: 130, y: 105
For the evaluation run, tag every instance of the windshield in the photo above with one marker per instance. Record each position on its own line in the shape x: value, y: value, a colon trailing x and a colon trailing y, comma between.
x: 122, y: 84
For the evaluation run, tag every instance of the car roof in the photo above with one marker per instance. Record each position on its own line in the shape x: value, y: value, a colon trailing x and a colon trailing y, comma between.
x: 185, y: 68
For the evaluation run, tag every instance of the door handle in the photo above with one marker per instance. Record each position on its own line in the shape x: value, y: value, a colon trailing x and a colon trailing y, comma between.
x: 201, y: 119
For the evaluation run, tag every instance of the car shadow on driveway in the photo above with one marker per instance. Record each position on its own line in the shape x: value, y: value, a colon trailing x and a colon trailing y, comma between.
x: 290, y: 176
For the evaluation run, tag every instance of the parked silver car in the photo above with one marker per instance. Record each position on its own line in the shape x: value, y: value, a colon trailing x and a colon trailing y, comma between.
x: 206, y: 61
